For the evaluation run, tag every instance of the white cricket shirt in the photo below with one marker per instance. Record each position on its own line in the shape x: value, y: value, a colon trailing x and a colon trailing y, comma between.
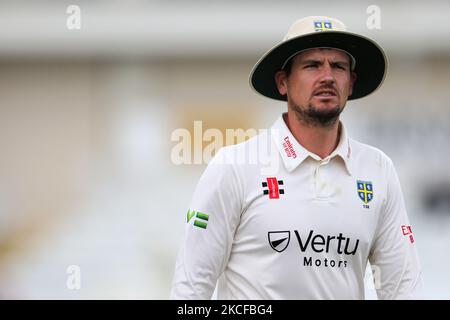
x: 271, y: 220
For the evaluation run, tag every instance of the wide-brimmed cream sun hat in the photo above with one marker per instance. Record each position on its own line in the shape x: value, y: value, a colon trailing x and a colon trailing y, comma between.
x: 368, y: 58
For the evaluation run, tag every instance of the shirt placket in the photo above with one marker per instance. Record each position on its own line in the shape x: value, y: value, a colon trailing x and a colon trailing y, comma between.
x: 319, y: 181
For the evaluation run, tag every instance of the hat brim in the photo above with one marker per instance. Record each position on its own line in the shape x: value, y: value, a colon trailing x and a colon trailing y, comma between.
x: 370, y: 69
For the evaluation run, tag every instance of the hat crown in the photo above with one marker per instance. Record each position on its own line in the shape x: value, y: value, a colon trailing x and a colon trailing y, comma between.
x: 321, y: 32
x: 313, y: 24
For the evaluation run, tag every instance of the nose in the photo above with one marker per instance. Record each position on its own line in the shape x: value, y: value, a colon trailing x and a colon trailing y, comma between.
x: 327, y: 75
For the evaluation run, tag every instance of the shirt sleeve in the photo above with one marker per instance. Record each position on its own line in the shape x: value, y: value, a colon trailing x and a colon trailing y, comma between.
x: 211, y: 222
x: 393, y: 256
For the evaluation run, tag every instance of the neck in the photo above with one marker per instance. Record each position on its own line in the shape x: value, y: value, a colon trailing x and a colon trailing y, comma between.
x: 316, y: 139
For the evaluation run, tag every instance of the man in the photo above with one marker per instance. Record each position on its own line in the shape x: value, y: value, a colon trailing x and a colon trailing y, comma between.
x: 307, y: 229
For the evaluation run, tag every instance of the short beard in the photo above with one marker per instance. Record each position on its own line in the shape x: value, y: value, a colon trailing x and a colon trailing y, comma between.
x: 315, y: 118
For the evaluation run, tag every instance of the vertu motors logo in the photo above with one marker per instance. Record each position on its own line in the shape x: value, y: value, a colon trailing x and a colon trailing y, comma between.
x: 279, y: 240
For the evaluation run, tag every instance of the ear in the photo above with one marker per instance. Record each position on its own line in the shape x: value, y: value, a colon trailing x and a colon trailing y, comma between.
x: 281, y: 81
x: 353, y: 77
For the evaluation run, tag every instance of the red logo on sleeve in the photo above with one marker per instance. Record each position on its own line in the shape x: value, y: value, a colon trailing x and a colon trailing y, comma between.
x: 407, y: 231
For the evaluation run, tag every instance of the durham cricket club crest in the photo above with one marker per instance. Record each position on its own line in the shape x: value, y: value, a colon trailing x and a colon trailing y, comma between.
x: 365, y: 191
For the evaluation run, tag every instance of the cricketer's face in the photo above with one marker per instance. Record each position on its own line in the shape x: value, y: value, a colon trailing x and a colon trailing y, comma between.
x: 318, y: 85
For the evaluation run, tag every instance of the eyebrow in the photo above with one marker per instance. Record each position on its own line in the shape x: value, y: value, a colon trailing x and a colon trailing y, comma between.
x: 314, y: 61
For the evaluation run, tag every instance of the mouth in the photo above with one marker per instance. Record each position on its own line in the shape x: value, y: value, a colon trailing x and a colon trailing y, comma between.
x: 325, y: 93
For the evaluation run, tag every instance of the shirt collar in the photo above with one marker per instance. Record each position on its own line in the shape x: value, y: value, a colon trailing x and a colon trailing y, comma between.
x: 293, y: 153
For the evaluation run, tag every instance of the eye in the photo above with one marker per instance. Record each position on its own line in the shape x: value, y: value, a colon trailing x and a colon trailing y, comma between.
x: 311, y: 65
x: 340, y: 66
